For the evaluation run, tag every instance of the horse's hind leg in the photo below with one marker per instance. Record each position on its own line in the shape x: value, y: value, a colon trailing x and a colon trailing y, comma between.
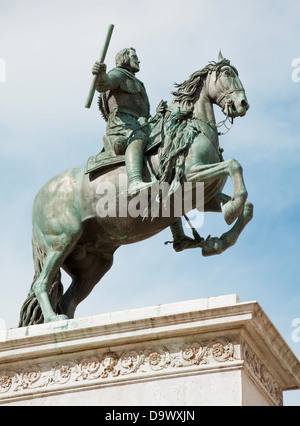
x: 86, y: 273
x: 56, y: 253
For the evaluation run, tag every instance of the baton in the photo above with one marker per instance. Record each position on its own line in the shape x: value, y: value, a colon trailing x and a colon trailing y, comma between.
x: 101, y: 60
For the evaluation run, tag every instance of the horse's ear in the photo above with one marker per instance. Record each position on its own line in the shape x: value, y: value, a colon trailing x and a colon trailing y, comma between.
x: 220, y: 56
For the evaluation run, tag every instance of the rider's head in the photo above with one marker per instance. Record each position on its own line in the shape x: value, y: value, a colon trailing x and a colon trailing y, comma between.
x: 127, y: 58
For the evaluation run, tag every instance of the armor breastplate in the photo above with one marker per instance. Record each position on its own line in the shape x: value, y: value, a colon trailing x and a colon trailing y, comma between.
x: 129, y: 103
x: 129, y: 98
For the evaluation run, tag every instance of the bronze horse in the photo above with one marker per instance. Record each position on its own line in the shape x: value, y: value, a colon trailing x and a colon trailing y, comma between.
x: 68, y: 232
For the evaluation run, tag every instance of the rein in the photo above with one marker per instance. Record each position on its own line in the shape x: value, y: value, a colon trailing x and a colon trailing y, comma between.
x: 223, y: 123
x: 225, y: 94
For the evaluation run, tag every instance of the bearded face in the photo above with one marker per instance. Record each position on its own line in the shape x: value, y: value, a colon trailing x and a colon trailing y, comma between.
x: 127, y: 58
x: 134, y: 63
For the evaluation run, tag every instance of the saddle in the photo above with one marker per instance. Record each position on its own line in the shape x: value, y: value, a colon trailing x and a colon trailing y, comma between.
x: 107, y: 159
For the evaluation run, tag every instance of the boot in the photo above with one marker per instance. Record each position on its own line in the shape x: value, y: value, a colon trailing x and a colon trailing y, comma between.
x: 134, y: 165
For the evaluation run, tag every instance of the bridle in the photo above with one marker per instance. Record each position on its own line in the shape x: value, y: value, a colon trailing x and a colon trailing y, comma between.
x: 226, y: 93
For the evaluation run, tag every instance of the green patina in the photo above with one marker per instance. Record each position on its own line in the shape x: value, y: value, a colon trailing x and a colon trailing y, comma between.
x: 68, y: 232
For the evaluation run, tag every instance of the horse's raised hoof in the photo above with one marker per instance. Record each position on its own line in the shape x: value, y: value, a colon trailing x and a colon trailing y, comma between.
x: 230, y: 213
x: 248, y: 211
x: 212, y: 246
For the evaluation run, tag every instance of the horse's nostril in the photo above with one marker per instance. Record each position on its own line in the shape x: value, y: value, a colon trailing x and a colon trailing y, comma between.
x: 244, y: 103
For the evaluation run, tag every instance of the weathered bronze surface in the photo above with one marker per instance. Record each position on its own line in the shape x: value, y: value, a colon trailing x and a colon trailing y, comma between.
x: 125, y: 105
x: 69, y: 232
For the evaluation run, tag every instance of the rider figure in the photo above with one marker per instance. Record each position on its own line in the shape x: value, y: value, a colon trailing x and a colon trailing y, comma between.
x: 125, y: 105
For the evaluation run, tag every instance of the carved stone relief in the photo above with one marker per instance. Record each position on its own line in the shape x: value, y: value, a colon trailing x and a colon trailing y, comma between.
x: 111, y: 365
x: 262, y: 374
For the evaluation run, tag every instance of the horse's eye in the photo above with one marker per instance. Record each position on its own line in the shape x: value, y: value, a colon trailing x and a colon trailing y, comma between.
x: 227, y: 73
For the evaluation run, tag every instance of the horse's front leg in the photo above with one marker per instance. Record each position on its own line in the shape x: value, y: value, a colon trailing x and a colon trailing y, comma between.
x: 214, y: 245
x: 208, y: 173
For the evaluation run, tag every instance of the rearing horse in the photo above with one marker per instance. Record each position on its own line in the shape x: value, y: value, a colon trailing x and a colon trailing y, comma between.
x: 68, y: 232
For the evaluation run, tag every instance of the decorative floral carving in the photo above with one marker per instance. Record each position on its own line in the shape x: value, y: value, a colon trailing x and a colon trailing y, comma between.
x: 5, y: 383
x: 154, y: 359
x: 110, y: 365
x: 158, y: 358
x: 222, y: 352
x: 62, y: 372
x: 193, y: 353
x: 262, y: 374
x: 28, y: 378
x: 129, y: 362
x: 65, y: 372
x: 89, y: 368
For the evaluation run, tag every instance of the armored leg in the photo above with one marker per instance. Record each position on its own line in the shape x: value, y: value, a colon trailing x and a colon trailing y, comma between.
x: 134, y: 166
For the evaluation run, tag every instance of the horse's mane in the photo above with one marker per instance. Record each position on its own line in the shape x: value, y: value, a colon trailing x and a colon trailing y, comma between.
x: 184, y: 97
x: 180, y: 129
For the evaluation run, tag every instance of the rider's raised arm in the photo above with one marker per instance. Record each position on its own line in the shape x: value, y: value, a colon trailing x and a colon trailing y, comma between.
x: 105, y: 81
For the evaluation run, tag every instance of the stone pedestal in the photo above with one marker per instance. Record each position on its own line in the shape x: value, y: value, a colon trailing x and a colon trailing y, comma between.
x: 215, y: 351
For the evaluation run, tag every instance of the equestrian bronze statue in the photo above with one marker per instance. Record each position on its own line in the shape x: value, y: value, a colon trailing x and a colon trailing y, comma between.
x: 83, y: 215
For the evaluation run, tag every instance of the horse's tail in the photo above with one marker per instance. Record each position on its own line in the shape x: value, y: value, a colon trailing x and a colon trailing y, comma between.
x: 31, y: 312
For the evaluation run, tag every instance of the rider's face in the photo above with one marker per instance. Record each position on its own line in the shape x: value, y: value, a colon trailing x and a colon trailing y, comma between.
x: 134, y: 62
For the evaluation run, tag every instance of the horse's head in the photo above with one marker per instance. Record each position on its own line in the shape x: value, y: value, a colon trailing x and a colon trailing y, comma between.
x: 220, y: 83
x: 226, y: 90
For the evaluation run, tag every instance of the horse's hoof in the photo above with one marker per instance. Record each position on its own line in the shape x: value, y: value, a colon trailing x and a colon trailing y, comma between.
x: 248, y: 211
x: 58, y: 318
x: 229, y: 212
x: 212, y: 246
x: 61, y: 318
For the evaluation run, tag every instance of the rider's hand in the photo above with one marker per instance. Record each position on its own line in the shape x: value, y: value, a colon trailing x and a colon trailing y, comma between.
x: 99, y: 68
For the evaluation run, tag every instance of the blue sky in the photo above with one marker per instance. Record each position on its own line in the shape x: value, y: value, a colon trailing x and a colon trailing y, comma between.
x: 49, y: 49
